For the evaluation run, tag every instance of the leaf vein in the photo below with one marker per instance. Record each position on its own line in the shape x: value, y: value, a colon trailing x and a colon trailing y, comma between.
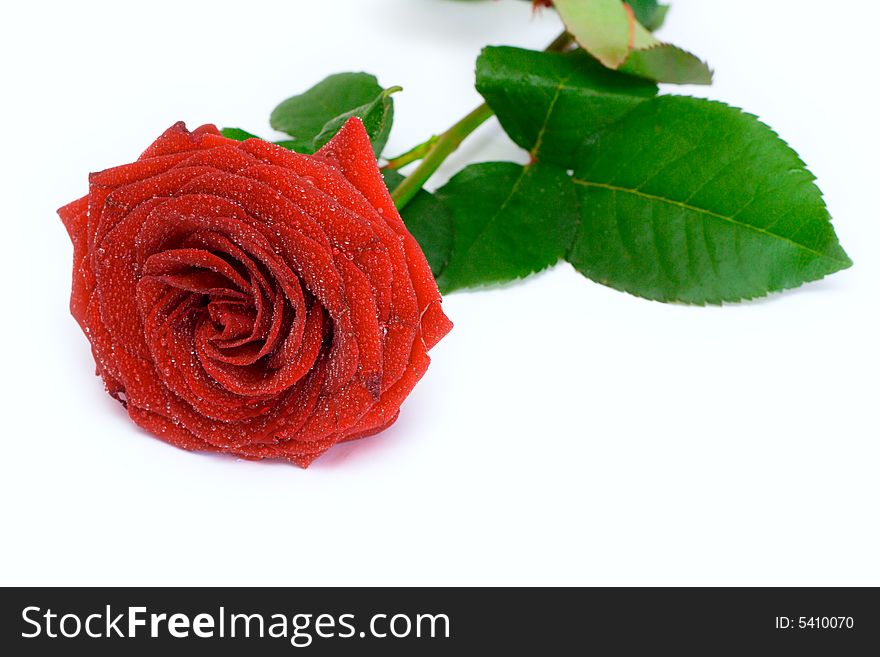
x: 539, y: 140
x: 704, y: 211
x: 693, y: 149
x: 513, y: 190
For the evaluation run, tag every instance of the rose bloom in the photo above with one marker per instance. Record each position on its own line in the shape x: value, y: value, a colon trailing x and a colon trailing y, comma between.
x: 245, y: 299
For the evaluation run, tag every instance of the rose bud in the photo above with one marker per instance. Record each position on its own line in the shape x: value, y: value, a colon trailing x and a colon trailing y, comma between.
x: 245, y: 299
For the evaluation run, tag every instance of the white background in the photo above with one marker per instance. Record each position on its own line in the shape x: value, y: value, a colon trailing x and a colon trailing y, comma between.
x: 565, y: 433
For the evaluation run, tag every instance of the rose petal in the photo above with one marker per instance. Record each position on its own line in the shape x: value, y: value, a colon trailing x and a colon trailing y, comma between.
x: 245, y: 299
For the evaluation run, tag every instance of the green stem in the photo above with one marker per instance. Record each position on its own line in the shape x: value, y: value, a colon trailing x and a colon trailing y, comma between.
x: 442, y: 148
x: 413, y: 154
x: 560, y: 43
x: 433, y: 153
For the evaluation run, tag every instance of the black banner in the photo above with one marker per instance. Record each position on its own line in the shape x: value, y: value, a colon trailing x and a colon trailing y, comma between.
x: 418, y: 621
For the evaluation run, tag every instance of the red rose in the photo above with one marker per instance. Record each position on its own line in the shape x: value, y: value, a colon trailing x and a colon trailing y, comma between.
x: 245, y: 299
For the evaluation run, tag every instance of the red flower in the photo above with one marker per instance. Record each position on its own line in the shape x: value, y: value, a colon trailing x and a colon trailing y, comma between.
x: 245, y: 299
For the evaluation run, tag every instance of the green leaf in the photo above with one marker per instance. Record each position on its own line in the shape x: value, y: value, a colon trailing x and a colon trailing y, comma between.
x: 606, y: 30
x: 549, y: 103
x: 430, y: 222
x: 691, y: 200
x: 602, y: 27
x: 238, y: 134
x: 305, y: 115
x: 649, y: 13
x: 377, y: 115
x: 308, y: 117
x: 509, y: 221
x: 667, y: 63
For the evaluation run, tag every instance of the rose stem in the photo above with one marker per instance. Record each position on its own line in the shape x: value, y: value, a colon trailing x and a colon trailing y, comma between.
x: 413, y: 154
x: 434, y: 151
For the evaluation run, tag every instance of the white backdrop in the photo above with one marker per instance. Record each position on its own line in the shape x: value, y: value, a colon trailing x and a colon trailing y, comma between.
x: 565, y: 433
